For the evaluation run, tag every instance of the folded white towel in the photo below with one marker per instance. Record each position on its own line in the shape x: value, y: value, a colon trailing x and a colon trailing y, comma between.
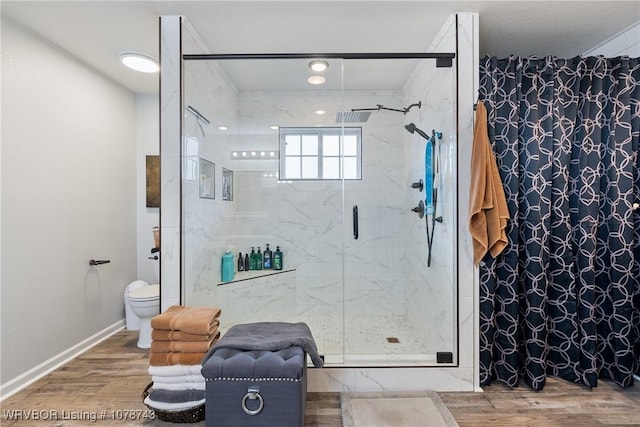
x: 163, y: 406
x: 178, y: 379
x: 179, y: 386
x: 174, y: 370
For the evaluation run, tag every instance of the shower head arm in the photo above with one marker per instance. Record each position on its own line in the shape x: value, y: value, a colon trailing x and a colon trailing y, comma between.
x: 382, y: 107
x: 417, y: 104
x: 422, y: 134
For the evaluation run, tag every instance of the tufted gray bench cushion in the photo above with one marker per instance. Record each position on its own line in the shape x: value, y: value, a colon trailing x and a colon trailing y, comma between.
x: 233, y: 376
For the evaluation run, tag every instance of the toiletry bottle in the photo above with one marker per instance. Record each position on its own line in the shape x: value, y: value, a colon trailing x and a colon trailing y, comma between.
x: 267, y: 259
x: 259, y: 259
x: 247, y: 262
x: 277, y: 259
x: 252, y: 259
x: 228, y: 268
x: 240, y: 262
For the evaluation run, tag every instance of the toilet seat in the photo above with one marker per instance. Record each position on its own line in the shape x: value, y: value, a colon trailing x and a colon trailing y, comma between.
x: 146, y: 293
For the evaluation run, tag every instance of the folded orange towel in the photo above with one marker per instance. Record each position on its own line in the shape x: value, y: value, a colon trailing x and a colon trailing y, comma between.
x: 488, y: 211
x: 163, y: 335
x: 193, y: 320
x: 183, y: 346
x: 166, y: 359
x: 163, y: 321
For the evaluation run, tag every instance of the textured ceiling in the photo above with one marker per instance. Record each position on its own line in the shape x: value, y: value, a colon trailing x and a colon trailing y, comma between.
x: 98, y: 31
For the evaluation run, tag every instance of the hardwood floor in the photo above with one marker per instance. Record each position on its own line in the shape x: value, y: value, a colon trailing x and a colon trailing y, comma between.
x: 107, y: 383
x: 560, y: 404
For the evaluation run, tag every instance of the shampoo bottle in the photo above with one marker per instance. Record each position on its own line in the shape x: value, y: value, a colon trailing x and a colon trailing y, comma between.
x: 240, y: 262
x: 228, y: 268
x: 247, y: 262
x: 259, y: 259
x: 267, y: 259
x: 252, y: 259
x: 277, y: 259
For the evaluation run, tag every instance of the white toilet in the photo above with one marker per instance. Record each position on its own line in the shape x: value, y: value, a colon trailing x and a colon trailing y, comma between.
x: 145, y: 303
x: 132, y: 321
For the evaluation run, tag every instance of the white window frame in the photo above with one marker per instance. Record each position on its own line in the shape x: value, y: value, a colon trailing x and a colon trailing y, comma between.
x: 320, y: 132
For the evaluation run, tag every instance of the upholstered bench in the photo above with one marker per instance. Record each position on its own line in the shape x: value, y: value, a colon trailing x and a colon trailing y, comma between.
x: 255, y: 387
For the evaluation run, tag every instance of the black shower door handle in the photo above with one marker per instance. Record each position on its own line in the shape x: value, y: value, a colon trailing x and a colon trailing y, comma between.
x: 355, y: 222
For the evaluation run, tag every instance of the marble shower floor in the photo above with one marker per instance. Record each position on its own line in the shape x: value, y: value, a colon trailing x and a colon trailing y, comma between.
x: 365, y: 340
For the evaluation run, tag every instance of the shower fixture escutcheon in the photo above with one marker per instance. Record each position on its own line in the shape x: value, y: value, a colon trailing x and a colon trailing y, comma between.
x: 419, y: 185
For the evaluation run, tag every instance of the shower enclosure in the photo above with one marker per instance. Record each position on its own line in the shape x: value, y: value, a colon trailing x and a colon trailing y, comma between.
x: 324, y: 173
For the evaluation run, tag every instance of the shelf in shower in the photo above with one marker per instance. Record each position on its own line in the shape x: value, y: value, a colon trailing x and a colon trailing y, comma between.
x: 242, y: 276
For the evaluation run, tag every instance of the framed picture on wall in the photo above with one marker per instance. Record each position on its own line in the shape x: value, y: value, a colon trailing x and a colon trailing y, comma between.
x: 153, y: 181
x: 207, y: 179
x: 227, y: 184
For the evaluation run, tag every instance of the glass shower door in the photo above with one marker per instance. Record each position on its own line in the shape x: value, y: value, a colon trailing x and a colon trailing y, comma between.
x: 397, y: 309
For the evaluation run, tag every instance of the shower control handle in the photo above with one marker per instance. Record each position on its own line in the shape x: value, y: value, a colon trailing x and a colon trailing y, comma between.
x: 356, y: 232
x: 419, y: 209
x: 419, y: 185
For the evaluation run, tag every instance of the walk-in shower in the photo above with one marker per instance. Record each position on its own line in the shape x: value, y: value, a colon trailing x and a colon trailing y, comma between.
x: 332, y: 190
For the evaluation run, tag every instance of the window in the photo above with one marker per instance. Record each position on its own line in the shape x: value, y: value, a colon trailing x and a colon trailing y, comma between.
x: 316, y: 153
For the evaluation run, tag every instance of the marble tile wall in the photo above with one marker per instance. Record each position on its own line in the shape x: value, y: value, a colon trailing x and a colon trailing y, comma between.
x: 170, y: 54
x: 207, y: 223
x: 306, y: 218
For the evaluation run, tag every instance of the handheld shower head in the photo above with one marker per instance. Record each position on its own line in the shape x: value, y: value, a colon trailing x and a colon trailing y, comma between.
x: 411, y: 128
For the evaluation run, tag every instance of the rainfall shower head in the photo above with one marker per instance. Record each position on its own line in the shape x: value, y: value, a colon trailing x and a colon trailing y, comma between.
x: 352, y: 116
x: 411, y: 128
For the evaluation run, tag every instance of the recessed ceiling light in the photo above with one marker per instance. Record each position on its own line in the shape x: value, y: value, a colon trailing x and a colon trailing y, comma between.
x: 316, y: 80
x: 222, y: 127
x: 320, y: 112
x: 318, y: 65
x: 140, y: 62
x: 274, y: 127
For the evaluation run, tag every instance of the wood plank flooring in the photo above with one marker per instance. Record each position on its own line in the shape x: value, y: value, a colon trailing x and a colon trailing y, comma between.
x: 560, y: 404
x: 107, y: 382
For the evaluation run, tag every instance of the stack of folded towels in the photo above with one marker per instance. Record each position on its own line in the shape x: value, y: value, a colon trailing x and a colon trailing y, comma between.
x: 181, y: 337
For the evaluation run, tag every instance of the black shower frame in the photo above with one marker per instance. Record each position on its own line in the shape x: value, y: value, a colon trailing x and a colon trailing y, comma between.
x: 443, y: 60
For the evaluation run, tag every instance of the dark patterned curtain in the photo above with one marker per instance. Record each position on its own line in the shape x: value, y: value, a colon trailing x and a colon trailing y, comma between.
x: 563, y: 298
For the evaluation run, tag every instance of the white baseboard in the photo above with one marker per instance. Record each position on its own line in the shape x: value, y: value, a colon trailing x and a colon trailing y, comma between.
x: 13, y: 386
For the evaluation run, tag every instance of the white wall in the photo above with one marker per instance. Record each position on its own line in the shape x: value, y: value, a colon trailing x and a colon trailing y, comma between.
x: 68, y: 195
x: 626, y: 42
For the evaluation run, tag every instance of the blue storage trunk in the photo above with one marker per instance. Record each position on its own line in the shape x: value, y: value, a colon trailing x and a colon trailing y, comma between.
x: 256, y: 388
